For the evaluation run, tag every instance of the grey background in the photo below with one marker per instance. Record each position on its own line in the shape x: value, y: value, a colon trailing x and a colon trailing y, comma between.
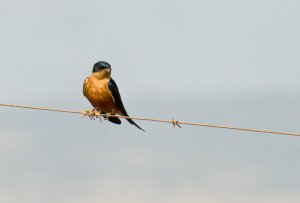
x: 224, y: 62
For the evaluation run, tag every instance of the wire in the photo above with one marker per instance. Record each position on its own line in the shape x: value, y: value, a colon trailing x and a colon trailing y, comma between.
x: 173, y: 121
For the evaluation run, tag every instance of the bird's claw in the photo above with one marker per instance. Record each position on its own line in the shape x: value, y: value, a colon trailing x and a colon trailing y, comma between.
x: 92, y: 114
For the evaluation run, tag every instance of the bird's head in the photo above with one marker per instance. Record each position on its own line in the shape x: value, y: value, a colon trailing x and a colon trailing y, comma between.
x: 102, y: 69
x: 101, y: 66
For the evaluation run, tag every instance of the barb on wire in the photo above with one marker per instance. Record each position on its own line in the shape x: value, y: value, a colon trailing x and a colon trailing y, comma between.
x: 173, y: 121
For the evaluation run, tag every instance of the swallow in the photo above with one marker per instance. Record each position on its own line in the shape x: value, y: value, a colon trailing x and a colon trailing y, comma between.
x: 103, y: 93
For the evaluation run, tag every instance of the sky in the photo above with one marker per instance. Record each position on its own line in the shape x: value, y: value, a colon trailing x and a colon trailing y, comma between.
x: 222, y: 62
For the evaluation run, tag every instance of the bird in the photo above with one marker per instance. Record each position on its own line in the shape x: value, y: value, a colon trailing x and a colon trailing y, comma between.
x: 103, y: 93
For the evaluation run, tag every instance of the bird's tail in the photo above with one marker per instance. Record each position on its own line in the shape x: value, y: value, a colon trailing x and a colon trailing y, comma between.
x: 115, y: 120
x: 133, y: 123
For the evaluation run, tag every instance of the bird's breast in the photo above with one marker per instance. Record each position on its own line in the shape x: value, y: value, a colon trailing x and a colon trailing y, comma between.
x: 98, y: 93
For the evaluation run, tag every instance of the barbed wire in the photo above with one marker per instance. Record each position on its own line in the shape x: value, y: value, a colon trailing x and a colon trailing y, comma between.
x: 173, y: 121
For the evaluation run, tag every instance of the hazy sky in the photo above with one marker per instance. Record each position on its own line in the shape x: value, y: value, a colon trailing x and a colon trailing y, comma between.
x: 223, y: 62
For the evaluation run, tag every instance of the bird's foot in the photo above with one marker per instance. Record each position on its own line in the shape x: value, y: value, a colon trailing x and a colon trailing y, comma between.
x: 92, y: 114
x: 106, y: 116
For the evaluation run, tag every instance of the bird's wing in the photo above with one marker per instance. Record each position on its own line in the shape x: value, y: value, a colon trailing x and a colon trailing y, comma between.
x: 116, y: 96
x: 112, y: 85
